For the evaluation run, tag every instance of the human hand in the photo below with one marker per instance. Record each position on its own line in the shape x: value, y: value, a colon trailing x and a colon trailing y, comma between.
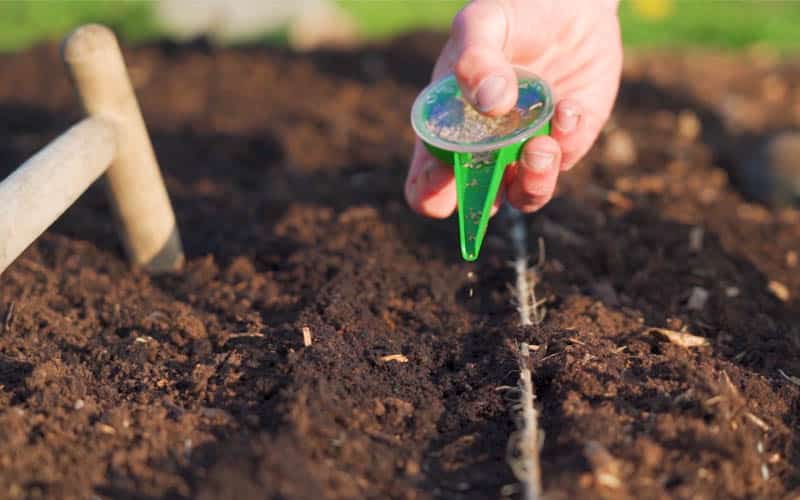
x: 574, y: 45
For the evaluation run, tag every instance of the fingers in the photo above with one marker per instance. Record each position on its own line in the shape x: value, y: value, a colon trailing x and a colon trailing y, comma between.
x: 430, y: 187
x: 534, y: 180
x: 481, y: 66
x: 575, y: 129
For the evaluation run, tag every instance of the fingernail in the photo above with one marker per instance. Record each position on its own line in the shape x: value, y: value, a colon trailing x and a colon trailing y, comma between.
x: 539, y: 161
x: 567, y: 118
x: 490, y: 92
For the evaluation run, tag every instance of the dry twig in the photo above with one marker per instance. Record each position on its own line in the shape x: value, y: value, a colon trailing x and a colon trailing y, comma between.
x: 399, y: 358
x: 682, y: 339
x: 9, y: 316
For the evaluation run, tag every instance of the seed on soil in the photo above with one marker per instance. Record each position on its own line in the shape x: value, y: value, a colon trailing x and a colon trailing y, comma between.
x: 306, y: 336
x: 105, y: 429
x: 400, y: 358
x: 759, y: 423
x: 244, y: 335
x: 689, y: 126
x: 682, y: 339
x: 791, y: 258
x: 732, y: 292
x: 412, y: 468
x: 696, y: 235
x: 606, y: 468
x: 619, y: 149
x: 779, y: 290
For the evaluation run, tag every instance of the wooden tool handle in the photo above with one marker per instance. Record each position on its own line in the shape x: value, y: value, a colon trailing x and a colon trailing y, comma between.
x: 136, y: 189
x: 46, y: 185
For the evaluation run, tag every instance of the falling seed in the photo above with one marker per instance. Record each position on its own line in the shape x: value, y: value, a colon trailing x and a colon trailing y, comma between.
x: 732, y: 291
x: 779, y: 290
x: 619, y: 149
x: 696, y: 239
x: 698, y: 299
x: 682, y: 339
x: 400, y: 358
x: 765, y: 472
x: 306, y: 336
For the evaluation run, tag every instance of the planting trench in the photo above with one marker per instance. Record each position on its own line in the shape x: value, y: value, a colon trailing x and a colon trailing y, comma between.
x: 286, y: 175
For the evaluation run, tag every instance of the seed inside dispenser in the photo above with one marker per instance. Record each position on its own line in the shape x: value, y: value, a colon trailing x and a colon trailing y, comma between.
x: 443, y: 118
x: 467, y: 125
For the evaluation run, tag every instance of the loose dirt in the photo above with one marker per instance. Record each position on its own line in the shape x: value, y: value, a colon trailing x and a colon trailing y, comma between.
x: 286, y: 173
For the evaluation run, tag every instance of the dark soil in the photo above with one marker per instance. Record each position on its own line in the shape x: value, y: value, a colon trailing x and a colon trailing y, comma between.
x: 286, y: 174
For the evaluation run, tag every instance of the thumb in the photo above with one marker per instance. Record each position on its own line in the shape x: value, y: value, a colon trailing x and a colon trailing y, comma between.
x: 485, y: 75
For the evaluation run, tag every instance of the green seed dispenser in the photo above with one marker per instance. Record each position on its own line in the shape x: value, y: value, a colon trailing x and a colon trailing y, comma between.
x: 479, y: 147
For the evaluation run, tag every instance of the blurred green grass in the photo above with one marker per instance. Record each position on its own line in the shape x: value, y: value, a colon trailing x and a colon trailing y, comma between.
x: 729, y: 24
x: 25, y: 22
x: 719, y: 24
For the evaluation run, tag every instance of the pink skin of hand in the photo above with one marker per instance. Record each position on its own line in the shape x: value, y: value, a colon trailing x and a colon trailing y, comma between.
x: 574, y: 45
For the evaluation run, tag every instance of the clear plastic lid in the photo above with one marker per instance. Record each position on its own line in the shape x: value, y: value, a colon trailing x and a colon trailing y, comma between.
x: 443, y: 118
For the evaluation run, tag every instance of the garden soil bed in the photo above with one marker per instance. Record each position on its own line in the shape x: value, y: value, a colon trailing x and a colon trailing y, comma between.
x: 286, y: 173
